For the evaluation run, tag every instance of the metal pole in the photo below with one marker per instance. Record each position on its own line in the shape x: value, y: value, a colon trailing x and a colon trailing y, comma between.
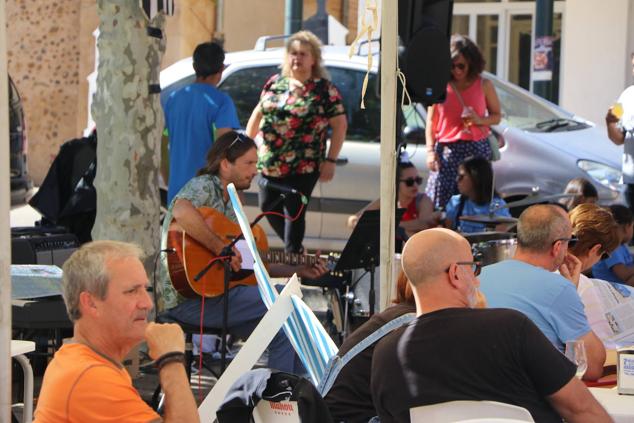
x: 5, y: 248
x: 293, y: 16
x: 544, y: 28
x: 389, y: 18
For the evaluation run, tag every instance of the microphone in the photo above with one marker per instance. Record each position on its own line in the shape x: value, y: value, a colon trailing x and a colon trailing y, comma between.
x: 266, y: 184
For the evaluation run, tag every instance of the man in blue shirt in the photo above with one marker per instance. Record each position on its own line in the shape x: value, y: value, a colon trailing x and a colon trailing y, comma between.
x: 196, y: 115
x: 527, y: 283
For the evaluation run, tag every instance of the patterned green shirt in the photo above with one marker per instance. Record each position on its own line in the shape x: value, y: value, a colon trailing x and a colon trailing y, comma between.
x: 201, y: 191
x: 294, y: 124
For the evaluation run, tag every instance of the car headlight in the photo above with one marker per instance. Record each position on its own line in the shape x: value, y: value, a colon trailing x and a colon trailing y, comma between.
x: 606, y: 175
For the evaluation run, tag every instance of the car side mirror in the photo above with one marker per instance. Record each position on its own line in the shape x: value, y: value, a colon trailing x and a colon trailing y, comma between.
x: 414, y: 135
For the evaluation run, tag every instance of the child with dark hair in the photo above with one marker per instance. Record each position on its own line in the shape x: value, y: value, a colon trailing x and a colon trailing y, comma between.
x: 619, y: 266
x: 476, y: 197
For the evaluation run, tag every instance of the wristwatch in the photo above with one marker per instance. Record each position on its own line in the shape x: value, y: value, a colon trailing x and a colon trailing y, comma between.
x: 328, y: 159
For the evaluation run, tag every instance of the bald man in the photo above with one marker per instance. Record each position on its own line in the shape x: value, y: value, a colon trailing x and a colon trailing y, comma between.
x: 527, y: 283
x: 453, y: 352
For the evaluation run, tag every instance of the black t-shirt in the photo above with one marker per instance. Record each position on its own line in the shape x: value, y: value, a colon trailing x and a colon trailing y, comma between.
x: 350, y: 399
x: 466, y: 354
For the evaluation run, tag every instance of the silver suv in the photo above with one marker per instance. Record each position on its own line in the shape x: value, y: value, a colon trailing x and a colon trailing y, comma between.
x: 545, y: 145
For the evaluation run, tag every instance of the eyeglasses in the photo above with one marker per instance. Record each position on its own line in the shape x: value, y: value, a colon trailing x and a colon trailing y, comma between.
x: 461, y: 66
x: 411, y: 181
x: 238, y: 138
x: 476, y: 266
x: 572, y: 241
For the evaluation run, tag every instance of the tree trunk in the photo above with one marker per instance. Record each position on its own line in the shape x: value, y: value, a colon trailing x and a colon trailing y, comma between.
x: 129, y: 124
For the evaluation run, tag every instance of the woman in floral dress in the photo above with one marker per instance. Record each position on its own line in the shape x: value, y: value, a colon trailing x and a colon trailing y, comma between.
x: 291, y: 120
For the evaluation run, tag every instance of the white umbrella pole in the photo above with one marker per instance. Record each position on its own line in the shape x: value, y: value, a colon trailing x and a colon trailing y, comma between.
x: 5, y: 249
x: 389, y: 17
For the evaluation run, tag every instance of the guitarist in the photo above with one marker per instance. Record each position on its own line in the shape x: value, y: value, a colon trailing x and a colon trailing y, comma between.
x: 231, y: 159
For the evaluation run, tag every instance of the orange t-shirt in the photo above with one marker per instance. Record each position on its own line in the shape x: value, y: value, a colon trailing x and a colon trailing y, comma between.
x: 82, y: 386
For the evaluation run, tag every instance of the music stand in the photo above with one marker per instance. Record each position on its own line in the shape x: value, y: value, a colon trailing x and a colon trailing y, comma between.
x: 362, y: 249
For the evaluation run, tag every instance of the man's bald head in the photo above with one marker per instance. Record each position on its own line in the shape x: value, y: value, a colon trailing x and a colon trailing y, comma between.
x: 539, y: 226
x: 429, y: 253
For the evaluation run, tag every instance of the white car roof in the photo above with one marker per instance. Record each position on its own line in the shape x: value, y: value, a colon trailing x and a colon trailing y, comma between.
x: 331, y: 55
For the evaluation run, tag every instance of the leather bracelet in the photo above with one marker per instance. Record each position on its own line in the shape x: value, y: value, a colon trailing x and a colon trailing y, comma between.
x: 328, y: 159
x: 170, y: 357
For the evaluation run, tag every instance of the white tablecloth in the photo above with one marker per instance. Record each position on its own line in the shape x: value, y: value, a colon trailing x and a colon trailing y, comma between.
x: 620, y: 407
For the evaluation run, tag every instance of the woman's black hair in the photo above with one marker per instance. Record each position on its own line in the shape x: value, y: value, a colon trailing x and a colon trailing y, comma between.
x: 461, y: 44
x: 230, y: 146
x: 481, y: 173
x: 622, y: 214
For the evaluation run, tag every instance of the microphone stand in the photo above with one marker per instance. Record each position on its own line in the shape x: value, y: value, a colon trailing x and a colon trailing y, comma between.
x: 226, y: 253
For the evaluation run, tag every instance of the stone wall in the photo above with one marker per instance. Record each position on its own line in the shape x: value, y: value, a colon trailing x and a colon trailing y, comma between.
x: 43, y: 61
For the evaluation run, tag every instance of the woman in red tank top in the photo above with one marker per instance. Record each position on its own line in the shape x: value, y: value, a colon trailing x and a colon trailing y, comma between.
x: 419, y: 210
x: 458, y: 128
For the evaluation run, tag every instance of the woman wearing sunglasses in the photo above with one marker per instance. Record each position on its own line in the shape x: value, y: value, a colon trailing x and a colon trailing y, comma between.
x: 419, y: 210
x: 597, y: 236
x: 477, y: 196
x: 458, y: 128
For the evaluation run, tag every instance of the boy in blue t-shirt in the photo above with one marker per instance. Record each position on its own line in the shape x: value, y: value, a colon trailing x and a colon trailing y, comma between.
x: 619, y: 267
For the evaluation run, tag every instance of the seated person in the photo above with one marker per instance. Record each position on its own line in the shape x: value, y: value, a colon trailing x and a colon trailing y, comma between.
x: 350, y: 399
x: 419, y: 210
x: 231, y: 159
x: 477, y: 196
x: 598, y: 236
x: 105, y: 292
x: 527, y: 283
x: 454, y: 352
x: 619, y: 267
x: 584, y: 192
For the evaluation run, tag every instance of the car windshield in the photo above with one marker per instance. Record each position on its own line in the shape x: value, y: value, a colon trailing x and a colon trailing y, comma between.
x: 519, y: 110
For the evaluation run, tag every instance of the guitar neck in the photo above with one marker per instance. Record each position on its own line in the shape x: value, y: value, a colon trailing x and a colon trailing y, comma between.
x: 281, y: 257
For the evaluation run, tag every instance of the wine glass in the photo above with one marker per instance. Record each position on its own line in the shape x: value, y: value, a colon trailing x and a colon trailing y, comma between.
x: 576, y: 352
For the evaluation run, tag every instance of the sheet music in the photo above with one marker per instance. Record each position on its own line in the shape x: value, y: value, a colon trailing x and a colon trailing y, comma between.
x: 35, y: 281
x: 247, y: 257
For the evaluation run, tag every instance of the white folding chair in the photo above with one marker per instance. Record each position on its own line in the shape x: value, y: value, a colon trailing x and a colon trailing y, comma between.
x: 453, y: 411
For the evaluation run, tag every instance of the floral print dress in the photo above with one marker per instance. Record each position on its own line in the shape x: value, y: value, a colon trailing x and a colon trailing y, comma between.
x: 294, y: 124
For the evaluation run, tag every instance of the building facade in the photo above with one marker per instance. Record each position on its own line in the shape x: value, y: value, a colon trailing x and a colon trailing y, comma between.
x: 51, y: 50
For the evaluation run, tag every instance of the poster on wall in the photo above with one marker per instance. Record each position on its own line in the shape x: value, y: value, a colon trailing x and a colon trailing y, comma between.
x: 543, y: 58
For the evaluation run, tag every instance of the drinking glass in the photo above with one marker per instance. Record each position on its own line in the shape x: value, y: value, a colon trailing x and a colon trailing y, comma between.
x: 617, y: 110
x: 467, y: 114
x: 576, y: 352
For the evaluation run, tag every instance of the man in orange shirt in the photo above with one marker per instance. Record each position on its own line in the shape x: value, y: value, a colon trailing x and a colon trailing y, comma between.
x: 105, y: 291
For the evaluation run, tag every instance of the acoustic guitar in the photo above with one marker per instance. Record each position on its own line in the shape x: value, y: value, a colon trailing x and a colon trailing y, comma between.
x: 191, y: 257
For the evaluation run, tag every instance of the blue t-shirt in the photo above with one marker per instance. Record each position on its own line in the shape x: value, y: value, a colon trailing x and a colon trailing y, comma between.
x: 471, y: 208
x: 548, y: 299
x: 603, y: 269
x: 191, y: 116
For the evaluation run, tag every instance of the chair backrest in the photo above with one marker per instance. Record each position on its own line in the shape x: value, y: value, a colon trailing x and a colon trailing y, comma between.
x: 454, y: 411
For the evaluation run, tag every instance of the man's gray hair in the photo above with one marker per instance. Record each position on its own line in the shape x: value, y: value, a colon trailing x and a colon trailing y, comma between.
x: 85, y: 271
x: 539, y: 226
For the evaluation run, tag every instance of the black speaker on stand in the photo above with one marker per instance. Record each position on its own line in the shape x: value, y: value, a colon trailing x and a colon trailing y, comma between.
x: 424, y: 27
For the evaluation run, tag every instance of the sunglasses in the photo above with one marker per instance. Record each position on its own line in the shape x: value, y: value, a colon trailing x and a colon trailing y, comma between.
x: 238, y: 138
x: 411, y: 181
x: 572, y: 241
x: 476, y: 266
x: 460, y: 66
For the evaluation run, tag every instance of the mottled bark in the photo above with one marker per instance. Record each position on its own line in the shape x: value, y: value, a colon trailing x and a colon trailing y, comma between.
x: 129, y: 123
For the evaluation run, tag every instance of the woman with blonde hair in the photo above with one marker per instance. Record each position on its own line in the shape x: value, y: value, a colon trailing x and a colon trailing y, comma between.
x: 291, y: 120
